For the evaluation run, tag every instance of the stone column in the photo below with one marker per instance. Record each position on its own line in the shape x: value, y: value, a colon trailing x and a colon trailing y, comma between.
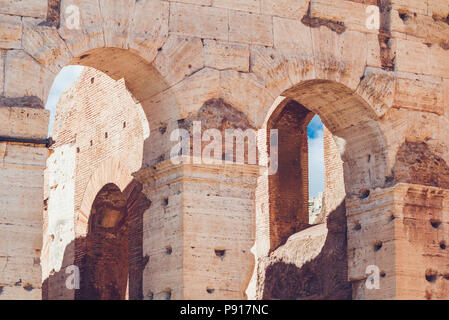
x: 403, y: 231
x: 23, y: 153
x: 199, y: 230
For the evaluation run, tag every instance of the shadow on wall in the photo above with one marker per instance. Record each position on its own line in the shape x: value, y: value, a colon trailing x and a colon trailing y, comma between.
x: 115, y: 230
x: 310, y: 265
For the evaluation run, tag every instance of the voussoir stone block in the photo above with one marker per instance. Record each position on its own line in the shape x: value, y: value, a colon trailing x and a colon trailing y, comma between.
x: 222, y: 55
x: 27, y: 8
x: 10, y: 31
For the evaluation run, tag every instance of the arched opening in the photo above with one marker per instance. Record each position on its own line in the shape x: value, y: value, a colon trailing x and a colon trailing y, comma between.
x: 305, y: 256
x: 104, y: 269
x: 97, y: 138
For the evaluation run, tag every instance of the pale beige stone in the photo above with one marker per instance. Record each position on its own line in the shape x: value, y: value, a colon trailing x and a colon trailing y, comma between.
x: 242, y: 5
x: 45, y: 45
x: 21, y: 73
x: 27, y: 8
x: 438, y: 7
x: 250, y: 28
x: 352, y: 14
x: 412, y: 56
x: 293, y: 9
x: 149, y: 32
x: 417, y: 6
x: 292, y: 36
x: 222, y: 55
x: 438, y: 62
x: 90, y: 34
x: 10, y: 31
x: 179, y: 58
x: 26, y: 123
x: 419, y: 95
x: 204, y: 22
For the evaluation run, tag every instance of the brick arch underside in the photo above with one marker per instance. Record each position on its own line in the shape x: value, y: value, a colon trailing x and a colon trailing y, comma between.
x: 315, y: 257
x: 112, y: 172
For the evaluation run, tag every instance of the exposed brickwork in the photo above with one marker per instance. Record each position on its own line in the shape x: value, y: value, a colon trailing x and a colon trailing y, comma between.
x: 288, y: 188
x: 112, y: 129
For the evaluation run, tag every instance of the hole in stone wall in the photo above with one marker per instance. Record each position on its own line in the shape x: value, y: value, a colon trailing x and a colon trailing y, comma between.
x: 220, y: 253
x: 124, y: 125
x: 443, y: 245
x: 78, y: 150
x: 383, y: 274
x: 167, y: 294
x: 377, y: 245
x: 104, y: 269
x: 92, y: 80
x: 91, y: 143
x: 435, y: 223
x: 357, y: 226
x: 431, y: 275
x: 150, y: 296
x: 364, y: 194
x: 106, y: 135
x: 168, y: 250
x: 165, y: 201
x: 210, y: 290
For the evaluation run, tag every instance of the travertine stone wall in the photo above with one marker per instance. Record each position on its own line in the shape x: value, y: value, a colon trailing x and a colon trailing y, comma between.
x: 22, y: 164
x: 384, y: 92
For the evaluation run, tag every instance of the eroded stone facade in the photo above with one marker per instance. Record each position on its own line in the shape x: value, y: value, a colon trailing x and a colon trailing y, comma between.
x: 382, y: 93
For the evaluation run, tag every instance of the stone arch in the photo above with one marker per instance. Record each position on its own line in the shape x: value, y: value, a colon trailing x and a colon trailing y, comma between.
x: 355, y: 124
x: 109, y: 171
x: 104, y: 270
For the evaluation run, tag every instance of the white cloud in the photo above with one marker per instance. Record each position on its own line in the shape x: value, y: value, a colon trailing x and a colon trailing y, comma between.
x: 62, y: 82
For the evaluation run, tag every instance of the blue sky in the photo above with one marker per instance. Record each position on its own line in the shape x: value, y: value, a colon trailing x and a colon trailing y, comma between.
x: 314, y: 131
x: 316, y: 156
x: 61, y: 83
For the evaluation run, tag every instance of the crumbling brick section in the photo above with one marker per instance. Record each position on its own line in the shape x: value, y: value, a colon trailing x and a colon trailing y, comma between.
x: 288, y: 188
x: 314, y: 22
x: 387, y: 56
x: 417, y: 163
x: 53, y: 14
x: 136, y: 205
x: 219, y: 115
x: 27, y: 102
x: 104, y: 267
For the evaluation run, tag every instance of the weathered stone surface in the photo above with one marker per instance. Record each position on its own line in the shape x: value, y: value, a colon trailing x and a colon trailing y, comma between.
x: 293, y: 9
x: 149, y: 32
x: 205, y: 22
x: 241, y: 5
x: 221, y: 55
x: 292, y: 36
x: 116, y: 21
x: 27, y: 8
x: 26, y: 123
x: 21, y: 73
x: 90, y: 34
x: 179, y: 58
x: 45, y: 45
x: 10, y: 31
x: 250, y: 28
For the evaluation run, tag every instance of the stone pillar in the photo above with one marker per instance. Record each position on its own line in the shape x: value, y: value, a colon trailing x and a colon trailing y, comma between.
x: 199, y: 230
x: 403, y: 231
x: 23, y: 153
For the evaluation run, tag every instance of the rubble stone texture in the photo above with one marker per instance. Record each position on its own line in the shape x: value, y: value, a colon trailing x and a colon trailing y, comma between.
x: 216, y: 231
